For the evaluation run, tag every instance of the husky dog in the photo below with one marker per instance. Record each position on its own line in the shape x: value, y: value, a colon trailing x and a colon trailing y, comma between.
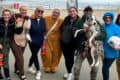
x: 92, y: 31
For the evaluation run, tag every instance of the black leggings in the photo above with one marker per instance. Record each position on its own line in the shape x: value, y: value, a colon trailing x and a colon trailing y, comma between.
x: 68, y: 52
x: 6, y: 72
x: 34, y: 57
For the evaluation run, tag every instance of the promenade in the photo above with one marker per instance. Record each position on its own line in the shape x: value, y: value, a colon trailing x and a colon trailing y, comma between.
x: 61, y: 70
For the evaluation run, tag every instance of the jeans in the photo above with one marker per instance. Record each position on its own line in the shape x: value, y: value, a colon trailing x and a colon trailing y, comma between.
x: 105, y: 69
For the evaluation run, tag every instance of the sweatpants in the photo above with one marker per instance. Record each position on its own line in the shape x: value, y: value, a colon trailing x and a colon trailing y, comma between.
x: 18, y: 54
x: 34, y: 57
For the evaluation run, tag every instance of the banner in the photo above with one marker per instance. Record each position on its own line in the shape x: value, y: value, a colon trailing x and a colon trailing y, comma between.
x: 16, y: 5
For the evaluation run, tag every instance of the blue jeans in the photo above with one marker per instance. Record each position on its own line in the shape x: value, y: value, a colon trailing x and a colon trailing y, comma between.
x: 105, y: 69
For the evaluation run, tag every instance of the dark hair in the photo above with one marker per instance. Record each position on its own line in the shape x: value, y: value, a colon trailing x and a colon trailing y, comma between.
x: 18, y: 16
x: 6, y: 10
x: 88, y: 8
x: 15, y: 16
x: 118, y: 20
x: 73, y: 7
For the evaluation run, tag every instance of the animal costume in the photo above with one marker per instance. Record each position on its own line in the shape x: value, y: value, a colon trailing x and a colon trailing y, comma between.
x: 53, y: 51
x: 18, y: 43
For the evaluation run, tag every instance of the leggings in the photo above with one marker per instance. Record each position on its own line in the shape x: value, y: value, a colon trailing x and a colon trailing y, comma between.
x: 34, y: 57
x: 68, y: 53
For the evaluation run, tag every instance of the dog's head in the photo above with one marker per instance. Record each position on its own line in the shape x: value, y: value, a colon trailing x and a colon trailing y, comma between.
x: 18, y: 20
x: 90, y: 20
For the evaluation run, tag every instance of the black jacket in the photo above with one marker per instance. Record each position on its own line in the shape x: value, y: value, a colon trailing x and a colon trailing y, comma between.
x: 11, y: 30
x: 37, y: 31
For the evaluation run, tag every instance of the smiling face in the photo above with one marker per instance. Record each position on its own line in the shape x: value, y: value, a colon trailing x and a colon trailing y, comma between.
x: 55, y: 13
x: 39, y: 12
x: 6, y: 14
x: 73, y: 13
x: 88, y: 13
x: 108, y: 19
x: 23, y: 11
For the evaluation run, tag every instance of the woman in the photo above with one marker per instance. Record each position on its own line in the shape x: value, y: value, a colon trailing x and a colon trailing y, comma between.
x: 18, y: 42
x: 110, y: 54
x: 118, y: 61
x: 81, y: 39
x: 67, y: 40
x: 7, y: 30
x: 53, y: 51
x: 36, y: 31
x: 118, y: 20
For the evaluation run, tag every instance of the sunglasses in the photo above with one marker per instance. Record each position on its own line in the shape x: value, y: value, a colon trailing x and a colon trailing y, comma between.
x: 108, y: 17
x: 40, y: 11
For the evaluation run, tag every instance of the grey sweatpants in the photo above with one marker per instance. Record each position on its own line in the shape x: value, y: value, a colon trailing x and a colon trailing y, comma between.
x: 78, y: 63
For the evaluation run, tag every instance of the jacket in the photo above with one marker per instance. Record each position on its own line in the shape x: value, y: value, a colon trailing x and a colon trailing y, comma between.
x: 111, y: 30
x: 10, y: 28
x: 5, y: 34
x: 81, y: 23
x: 70, y: 30
x: 37, y: 31
x: 81, y: 36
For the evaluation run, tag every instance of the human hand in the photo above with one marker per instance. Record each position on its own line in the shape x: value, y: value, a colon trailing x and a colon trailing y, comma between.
x: 28, y: 37
x: 1, y: 47
x: 86, y: 28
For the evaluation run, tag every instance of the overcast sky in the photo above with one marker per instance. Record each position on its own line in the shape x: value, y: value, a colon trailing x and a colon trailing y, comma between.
x: 99, y: 1
x: 82, y: 1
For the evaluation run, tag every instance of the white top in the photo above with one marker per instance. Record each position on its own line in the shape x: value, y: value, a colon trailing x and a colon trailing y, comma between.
x: 38, y: 20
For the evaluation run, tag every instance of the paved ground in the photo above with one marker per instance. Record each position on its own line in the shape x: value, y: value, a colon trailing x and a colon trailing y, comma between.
x: 61, y: 70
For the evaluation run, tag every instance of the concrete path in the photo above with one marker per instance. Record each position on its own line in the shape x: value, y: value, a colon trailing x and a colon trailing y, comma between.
x: 61, y: 70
